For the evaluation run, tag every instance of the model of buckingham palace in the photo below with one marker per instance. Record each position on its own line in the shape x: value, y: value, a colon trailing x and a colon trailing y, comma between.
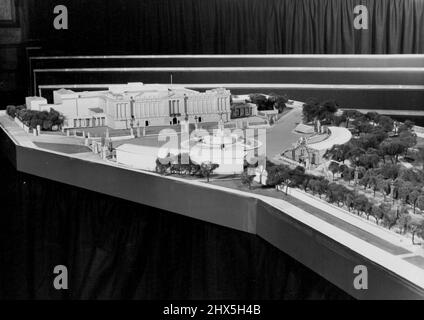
x: 136, y: 104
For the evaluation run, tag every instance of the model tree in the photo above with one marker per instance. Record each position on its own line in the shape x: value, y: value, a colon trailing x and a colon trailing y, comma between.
x: 408, y: 139
x: 369, y: 159
x: 11, y: 110
x: 262, y: 101
x: 383, y: 185
x: 390, y: 171
x: 247, y: 179
x: 390, y: 218
x: 372, y: 116
x: 375, y: 182
x: 386, y: 123
x: 161, y: 167
x: 207, y: 168
x: 340, y: 153
x: 347, y: 174
x: 323, y: 186
x: 334, y: 167
x: 277, y: 175
x: 377, y: 212
x: 313, y: 185
x: 349, y: 200
x: 334, y: 193
x: 417, y: 228
x: 360, y: 203
x: 310, y: 110
x: 351, y: 115
x: 420, y: 202
x: 404, y: 223
x: 327, y: 110
x: 47, y: 120
x: 419, y: 156
x: 313, y: 110
x: 392, y: 148
x: 278, y: 101
x: 404, y: 190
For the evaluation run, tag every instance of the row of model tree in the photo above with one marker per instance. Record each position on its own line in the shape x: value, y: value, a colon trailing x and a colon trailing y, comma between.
x: 384, y: 213
x: 182, y: 164
x: 47, y: 120
x: 372, y: 123
x: 379, y: 140
x: 405, y: 185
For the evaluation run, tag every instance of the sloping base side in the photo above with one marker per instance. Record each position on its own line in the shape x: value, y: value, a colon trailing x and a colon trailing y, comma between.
x: 117, y: 249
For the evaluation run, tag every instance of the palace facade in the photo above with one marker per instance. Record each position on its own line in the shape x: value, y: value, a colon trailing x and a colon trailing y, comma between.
x: 137, y: 105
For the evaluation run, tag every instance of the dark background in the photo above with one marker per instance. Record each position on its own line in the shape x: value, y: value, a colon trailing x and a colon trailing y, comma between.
x: 202, y: 27
x: 229, y: 26
x: 116, y: 249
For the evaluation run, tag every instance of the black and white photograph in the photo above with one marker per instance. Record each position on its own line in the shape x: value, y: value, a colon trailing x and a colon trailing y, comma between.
x: 211, y: 158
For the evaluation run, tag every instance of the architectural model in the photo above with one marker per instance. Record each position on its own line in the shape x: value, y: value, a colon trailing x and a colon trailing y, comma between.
x: 339, y: 168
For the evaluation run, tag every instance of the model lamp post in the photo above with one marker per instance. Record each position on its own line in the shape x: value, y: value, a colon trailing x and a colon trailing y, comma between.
x: 392, y: 190
x: 132, y: 126
x: 355, y: 177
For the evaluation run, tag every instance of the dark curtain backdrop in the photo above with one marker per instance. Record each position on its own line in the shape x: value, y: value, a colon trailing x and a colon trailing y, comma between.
x: 229, y: 26
x: 116, y: 249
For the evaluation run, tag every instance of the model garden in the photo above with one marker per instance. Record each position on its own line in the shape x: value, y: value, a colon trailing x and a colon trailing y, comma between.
x: 378, y: 174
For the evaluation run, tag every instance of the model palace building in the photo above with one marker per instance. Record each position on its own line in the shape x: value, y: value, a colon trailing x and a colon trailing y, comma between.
x: 136, y: 104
